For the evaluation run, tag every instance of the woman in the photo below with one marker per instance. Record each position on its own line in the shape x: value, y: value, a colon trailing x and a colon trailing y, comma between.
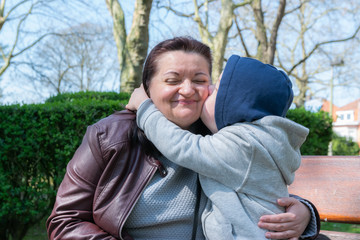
x: 118, y: 186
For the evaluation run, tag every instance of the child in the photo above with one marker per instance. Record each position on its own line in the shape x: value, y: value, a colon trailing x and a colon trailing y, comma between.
x: 246, y: 165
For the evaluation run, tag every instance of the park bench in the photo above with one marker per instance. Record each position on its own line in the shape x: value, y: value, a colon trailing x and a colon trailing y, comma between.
x: 332, y: 183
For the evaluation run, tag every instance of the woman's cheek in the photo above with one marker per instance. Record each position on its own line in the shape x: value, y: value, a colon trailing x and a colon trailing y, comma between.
x: 205, y: 92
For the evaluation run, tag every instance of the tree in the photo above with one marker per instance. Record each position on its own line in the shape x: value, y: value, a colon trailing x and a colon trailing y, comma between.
x: 131, y: 48
x: 19, y: 12
x: 292, y: 35
x: 203, y: 16
x: 78, y: 59
x: 26, y: 24
x: 260, y: 25
x: 229, y: 10
x: 317, y: 43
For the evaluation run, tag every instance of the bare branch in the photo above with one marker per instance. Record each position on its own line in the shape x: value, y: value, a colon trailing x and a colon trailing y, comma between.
x: 274, y: 31
x: 204, y: 33
x: 36, y: 42
x: 177, y: 13
x: 321, y: 44
x: 181, y: 14
x: 242, y: 4
x: 241, y: 38
x: 296, y: 8
x: 206, y: 6
x: 2, y: 9
x: 10, y: 55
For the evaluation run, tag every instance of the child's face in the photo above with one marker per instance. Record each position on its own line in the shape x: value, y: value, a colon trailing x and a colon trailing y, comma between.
x: 208, y: 110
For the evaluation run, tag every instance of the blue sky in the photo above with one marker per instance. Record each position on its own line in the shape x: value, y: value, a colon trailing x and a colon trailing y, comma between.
x: 15, y: 90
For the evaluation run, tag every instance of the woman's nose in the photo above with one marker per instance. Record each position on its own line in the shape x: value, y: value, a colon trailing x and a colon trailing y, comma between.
x: 187, y: 88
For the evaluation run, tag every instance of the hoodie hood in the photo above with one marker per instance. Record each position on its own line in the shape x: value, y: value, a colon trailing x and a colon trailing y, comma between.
x: 250, y: 90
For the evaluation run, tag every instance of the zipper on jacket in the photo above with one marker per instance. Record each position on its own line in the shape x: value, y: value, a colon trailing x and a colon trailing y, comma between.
x: 163, y: 173
x: 162, y: 169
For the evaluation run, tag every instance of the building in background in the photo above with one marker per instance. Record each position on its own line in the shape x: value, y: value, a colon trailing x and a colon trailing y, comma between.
x: 346, y: 119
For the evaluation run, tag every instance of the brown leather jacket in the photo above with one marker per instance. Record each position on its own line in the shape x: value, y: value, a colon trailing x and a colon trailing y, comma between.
x: 102, y: 183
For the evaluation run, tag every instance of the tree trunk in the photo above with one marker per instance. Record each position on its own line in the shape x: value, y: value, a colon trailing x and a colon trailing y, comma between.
x: 274, y: 32
x: 219, y: 41
x: 303, y: 81
x: 267, y: 48
x: 221, y: 37
x: 132, y: 48
x: 137, y: 43
x: 302, y: 85
x: 260, y: 34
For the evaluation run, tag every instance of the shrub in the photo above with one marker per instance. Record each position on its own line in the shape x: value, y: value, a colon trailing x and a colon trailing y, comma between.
x: 320, y: 126
x: 122, y: 98
x: 343, y: 146
x: 36, y: 142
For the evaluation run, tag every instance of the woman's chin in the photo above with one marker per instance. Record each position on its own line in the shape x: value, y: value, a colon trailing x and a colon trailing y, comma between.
x: 185, y: 120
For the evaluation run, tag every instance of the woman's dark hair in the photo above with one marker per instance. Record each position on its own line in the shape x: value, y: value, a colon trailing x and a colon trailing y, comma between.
x: 186, y: 44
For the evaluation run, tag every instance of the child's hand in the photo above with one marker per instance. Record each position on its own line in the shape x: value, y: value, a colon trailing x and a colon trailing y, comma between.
x: 137, y: 97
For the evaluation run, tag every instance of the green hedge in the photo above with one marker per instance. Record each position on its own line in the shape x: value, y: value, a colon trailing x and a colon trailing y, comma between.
x: 90, y: 95
x: 320, y: 125
x: 343, y: 146
x: 38, y: 140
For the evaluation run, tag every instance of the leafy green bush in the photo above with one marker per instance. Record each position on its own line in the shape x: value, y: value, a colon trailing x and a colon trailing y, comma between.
x: 320, y: 125
x: 90, y: 95
x: 342, y: 146
x: 36, y: 142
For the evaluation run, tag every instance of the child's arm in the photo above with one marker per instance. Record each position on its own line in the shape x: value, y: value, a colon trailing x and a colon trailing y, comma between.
x: 215, y: 156
x: 223, y: 156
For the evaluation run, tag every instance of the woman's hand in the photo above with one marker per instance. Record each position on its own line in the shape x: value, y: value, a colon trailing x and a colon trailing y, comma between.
x: 137, y: 97
x: 287, y: 225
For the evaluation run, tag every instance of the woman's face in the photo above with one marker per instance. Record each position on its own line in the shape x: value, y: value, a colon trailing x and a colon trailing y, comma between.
x: 180, y: 86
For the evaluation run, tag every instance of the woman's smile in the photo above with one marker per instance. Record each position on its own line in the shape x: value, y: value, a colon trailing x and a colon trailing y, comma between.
x: 186, y: 102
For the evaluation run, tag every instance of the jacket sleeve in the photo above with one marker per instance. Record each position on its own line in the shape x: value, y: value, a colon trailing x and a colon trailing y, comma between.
x: 71, y: 217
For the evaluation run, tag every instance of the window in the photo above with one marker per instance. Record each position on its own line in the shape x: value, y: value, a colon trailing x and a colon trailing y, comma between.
x: 345, y: 116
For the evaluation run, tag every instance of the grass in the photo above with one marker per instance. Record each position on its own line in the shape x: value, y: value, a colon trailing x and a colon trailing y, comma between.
x: 340, y: 227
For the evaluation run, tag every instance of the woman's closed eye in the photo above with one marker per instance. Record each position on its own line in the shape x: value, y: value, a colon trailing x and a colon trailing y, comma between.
x: 173, y: 81
x: 200, y: 81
